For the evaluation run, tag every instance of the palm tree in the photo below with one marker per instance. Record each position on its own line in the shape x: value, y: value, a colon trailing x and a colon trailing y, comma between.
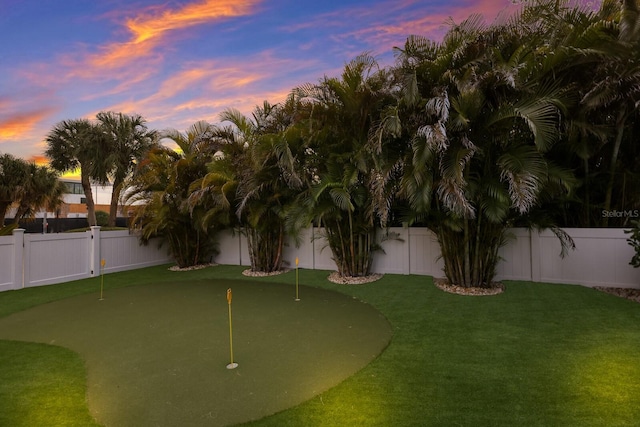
x: 594, y: 54
x: 476, y: 129
x: 159, y: 191
x: 73, y: 144
x: 341, y: 192
x: 27, y: 186
x: 247, y: 178
x: 41, y: 189
x: 129, y: 140
x: 615, y: 93
x: 13, y: 173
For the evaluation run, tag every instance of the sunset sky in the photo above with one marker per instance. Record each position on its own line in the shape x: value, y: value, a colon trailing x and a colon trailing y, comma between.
x: 176, y: 62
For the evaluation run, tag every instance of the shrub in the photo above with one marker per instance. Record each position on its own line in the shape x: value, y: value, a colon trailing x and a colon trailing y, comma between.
x: 102, y: 218
x: 634, y: 241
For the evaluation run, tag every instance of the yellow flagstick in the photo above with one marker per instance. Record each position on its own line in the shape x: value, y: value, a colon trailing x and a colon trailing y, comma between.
x: 102, y: 264
x: 297, y: 262
x: 231, y: 365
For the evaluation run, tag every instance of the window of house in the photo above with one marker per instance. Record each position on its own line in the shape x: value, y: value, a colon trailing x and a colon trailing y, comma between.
x: 74, y: 188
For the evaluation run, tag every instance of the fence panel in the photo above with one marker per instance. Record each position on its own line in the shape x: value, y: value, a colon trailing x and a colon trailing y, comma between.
x: 245, y: 259
x: 322, y: 255
x: 6, y: 262
x: 424, y: 253
x: 515, y: 262
x: 303, y: 250
x: 601, y: 258
x: 229, y: 246
x: 56, y: 258
x: 393, y: 258
x: 122, y: 251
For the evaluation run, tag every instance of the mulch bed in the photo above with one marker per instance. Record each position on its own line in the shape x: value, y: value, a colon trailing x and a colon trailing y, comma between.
x: 628, y: 293
x: 497, y: 288
x: 443, y: 284
x: 335, y: 277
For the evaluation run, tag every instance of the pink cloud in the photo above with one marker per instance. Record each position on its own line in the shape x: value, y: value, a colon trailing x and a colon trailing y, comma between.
x: 389, y: 24
x: 200, y: 91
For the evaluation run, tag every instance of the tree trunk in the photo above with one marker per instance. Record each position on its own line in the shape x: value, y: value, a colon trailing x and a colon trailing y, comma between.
x: 91, y: 208
x: 278, y: 256
x: 620, y: 122
x: 4, y: 207
x: 265, y: 248
x: 470, y: 255
x: 352, y: 250
x: 587, y: 197
x: 20, y: 212
x: 113, y: 207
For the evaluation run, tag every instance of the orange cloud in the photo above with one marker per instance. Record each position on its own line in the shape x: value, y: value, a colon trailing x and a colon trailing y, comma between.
x: 147, y: 29
x: 207, y: 75
x: 118, y: 55
x: 39, y: 160
x: 18, y: 125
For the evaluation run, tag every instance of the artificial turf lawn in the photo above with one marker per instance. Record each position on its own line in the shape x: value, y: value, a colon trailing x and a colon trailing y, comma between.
x: 539, y: 354
x: 156, y: 354
x: 42, y: 385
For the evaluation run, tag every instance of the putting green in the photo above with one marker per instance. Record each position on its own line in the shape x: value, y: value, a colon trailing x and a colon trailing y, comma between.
x: 157, y: 354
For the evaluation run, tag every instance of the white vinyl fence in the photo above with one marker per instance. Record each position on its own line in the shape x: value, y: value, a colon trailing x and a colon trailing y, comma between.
x: 28, y: 260
x: 601, y: 257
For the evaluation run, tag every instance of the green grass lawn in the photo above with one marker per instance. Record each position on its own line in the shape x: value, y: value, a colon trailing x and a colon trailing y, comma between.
x: 537, y: 355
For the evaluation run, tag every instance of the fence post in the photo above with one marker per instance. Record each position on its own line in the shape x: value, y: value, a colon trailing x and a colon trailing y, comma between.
x: 313, y: 246
x: 240, y: 246
x: 406, y: 259
x: 536, y: 266
x: 18, y: 259
x: 94, y: 251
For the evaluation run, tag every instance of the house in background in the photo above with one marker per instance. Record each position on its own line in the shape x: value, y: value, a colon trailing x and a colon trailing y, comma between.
x: 72, y: 213
x: 75, y: 202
